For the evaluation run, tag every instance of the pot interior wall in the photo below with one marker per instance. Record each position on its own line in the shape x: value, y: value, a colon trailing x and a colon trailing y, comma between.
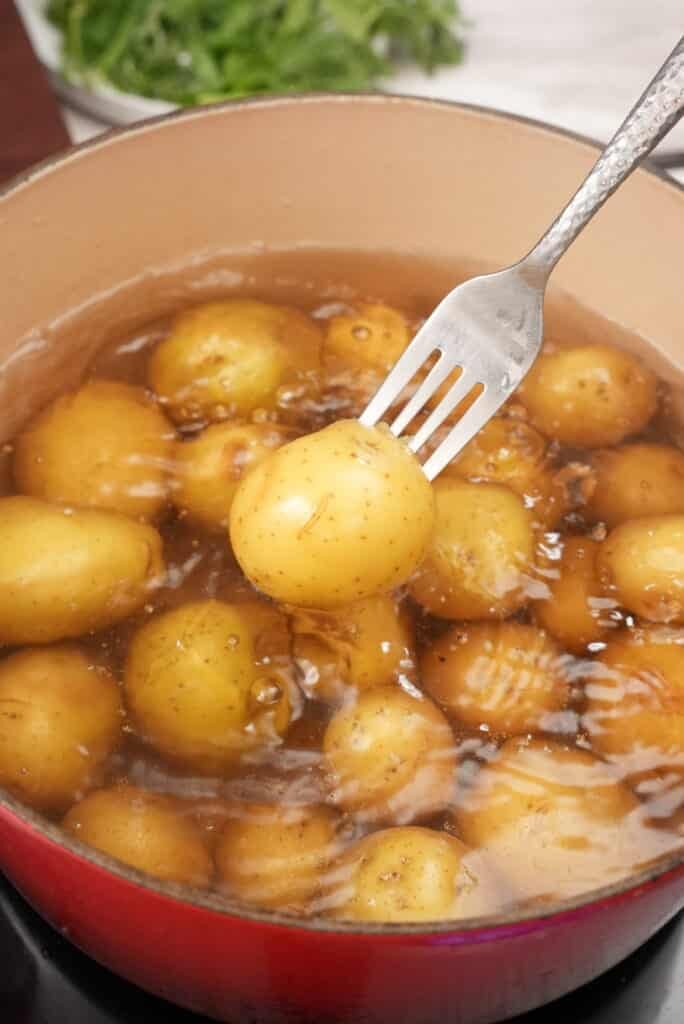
x: 90, y: 247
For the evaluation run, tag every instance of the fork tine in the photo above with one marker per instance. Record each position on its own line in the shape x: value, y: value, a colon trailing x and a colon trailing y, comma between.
x: 456, y: 392
x: 482, y: 409
x: 402, y: 372
x: 439, y: 372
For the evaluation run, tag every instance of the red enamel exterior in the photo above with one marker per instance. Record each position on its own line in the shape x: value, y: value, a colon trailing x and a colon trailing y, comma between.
x: 239, y: 970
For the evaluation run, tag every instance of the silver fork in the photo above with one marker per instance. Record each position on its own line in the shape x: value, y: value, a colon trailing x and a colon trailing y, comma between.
x: 491, y: 326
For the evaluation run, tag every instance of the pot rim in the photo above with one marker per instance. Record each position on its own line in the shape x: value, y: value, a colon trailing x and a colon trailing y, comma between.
x: 476, y: 929
x: 112, y: 135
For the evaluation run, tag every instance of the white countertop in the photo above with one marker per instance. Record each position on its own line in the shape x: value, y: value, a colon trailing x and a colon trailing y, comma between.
x: 576, y: 63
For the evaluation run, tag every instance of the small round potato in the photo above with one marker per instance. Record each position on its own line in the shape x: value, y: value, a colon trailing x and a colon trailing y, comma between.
x: 365, y: 644
x: 576, y: 610
x: 148, y: 831
x: 208, y: 469
x: 229, y: 358
x: 339, y: 515
x: 635, y: 697
x: 391, y: 756
x: 504, y: 675
x: 60, y: 718
x: 371, y: 339
x: 413, y: 874
x: 277, y: 855
x: 589, y: 396
x: 480, y: 555
x: 104, y: 446
x: 506, y: 451
x: 642, y: 562
x: 195, y: 688
x: 635, y: 481
x: 65, y: 572
x: 553, y: 820
x: 509, y: 451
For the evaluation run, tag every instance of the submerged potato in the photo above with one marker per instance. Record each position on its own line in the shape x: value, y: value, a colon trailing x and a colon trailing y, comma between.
x: 642, y: 564
x: 104, y: 446
x: 277, y: 855
x: 635, y: 697
x: 374, y: 337
x: 65, y: 572
x: 60, y: 718
x: 480, y: 555
x: 338, y: 515
x: 413, y: 874
x: 589, y: 396
x: 635, y: 481
x: 196, y: 688
x: 509, y: 451
x: 506, y: 676
x: 228, y: 358
x: 147, y: 831
x: 576, y: 610
x: 553, y: 820
x: 368, y: 643
x: 208, y: 469
x: 391, y: 756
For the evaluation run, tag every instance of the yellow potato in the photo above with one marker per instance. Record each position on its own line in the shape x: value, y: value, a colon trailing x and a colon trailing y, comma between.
x: 104, y: 446
x: 208, y: 469
x: 635, y: 481
x: 413, y: 874
x: 368, y: 643
x: 506, y: 451
x: 509, y: 451
x: 505, y: 676
x: 277, y: 855
x: 196, y: 688
x: 228, y: 358
x: 589, y: 396
x: 374, y: 337
x: 147, y: 831
x: 65, y: 572
x: 391, y: 756
x: 642, y: 562
x: 338, y: 515
x: 635, y: 697
x: 60, y: 718
x: 480, y: 555
x: 576, y: 611
x: 553, y: 820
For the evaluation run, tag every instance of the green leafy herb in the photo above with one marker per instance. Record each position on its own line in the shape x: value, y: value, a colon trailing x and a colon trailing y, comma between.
x: 196, y: 51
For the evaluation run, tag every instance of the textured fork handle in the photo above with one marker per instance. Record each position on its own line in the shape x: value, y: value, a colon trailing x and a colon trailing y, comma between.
x: 658, y: 110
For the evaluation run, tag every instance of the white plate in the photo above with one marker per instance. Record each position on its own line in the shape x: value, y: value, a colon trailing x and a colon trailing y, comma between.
x: 105, y: 103
x: 580, y: 69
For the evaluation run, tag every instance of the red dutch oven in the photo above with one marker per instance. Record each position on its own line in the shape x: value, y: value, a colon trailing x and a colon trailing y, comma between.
x: 97, y: 239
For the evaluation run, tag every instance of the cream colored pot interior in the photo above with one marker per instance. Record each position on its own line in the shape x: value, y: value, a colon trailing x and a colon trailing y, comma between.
x: 348, y: 173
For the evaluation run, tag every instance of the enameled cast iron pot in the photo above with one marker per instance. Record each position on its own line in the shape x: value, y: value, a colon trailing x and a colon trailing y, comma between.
x: 346, y: 173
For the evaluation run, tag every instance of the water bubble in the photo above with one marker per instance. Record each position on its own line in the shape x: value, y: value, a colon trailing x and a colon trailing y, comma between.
x: 266, y: 692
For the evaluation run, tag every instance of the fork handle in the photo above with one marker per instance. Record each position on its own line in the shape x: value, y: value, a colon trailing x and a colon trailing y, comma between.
x: 658, y: 110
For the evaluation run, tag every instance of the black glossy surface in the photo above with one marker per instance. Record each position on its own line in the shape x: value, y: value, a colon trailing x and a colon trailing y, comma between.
x: 45, y: 980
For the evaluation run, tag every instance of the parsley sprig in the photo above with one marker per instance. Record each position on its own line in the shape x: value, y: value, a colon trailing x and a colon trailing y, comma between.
x: 196, y: 51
